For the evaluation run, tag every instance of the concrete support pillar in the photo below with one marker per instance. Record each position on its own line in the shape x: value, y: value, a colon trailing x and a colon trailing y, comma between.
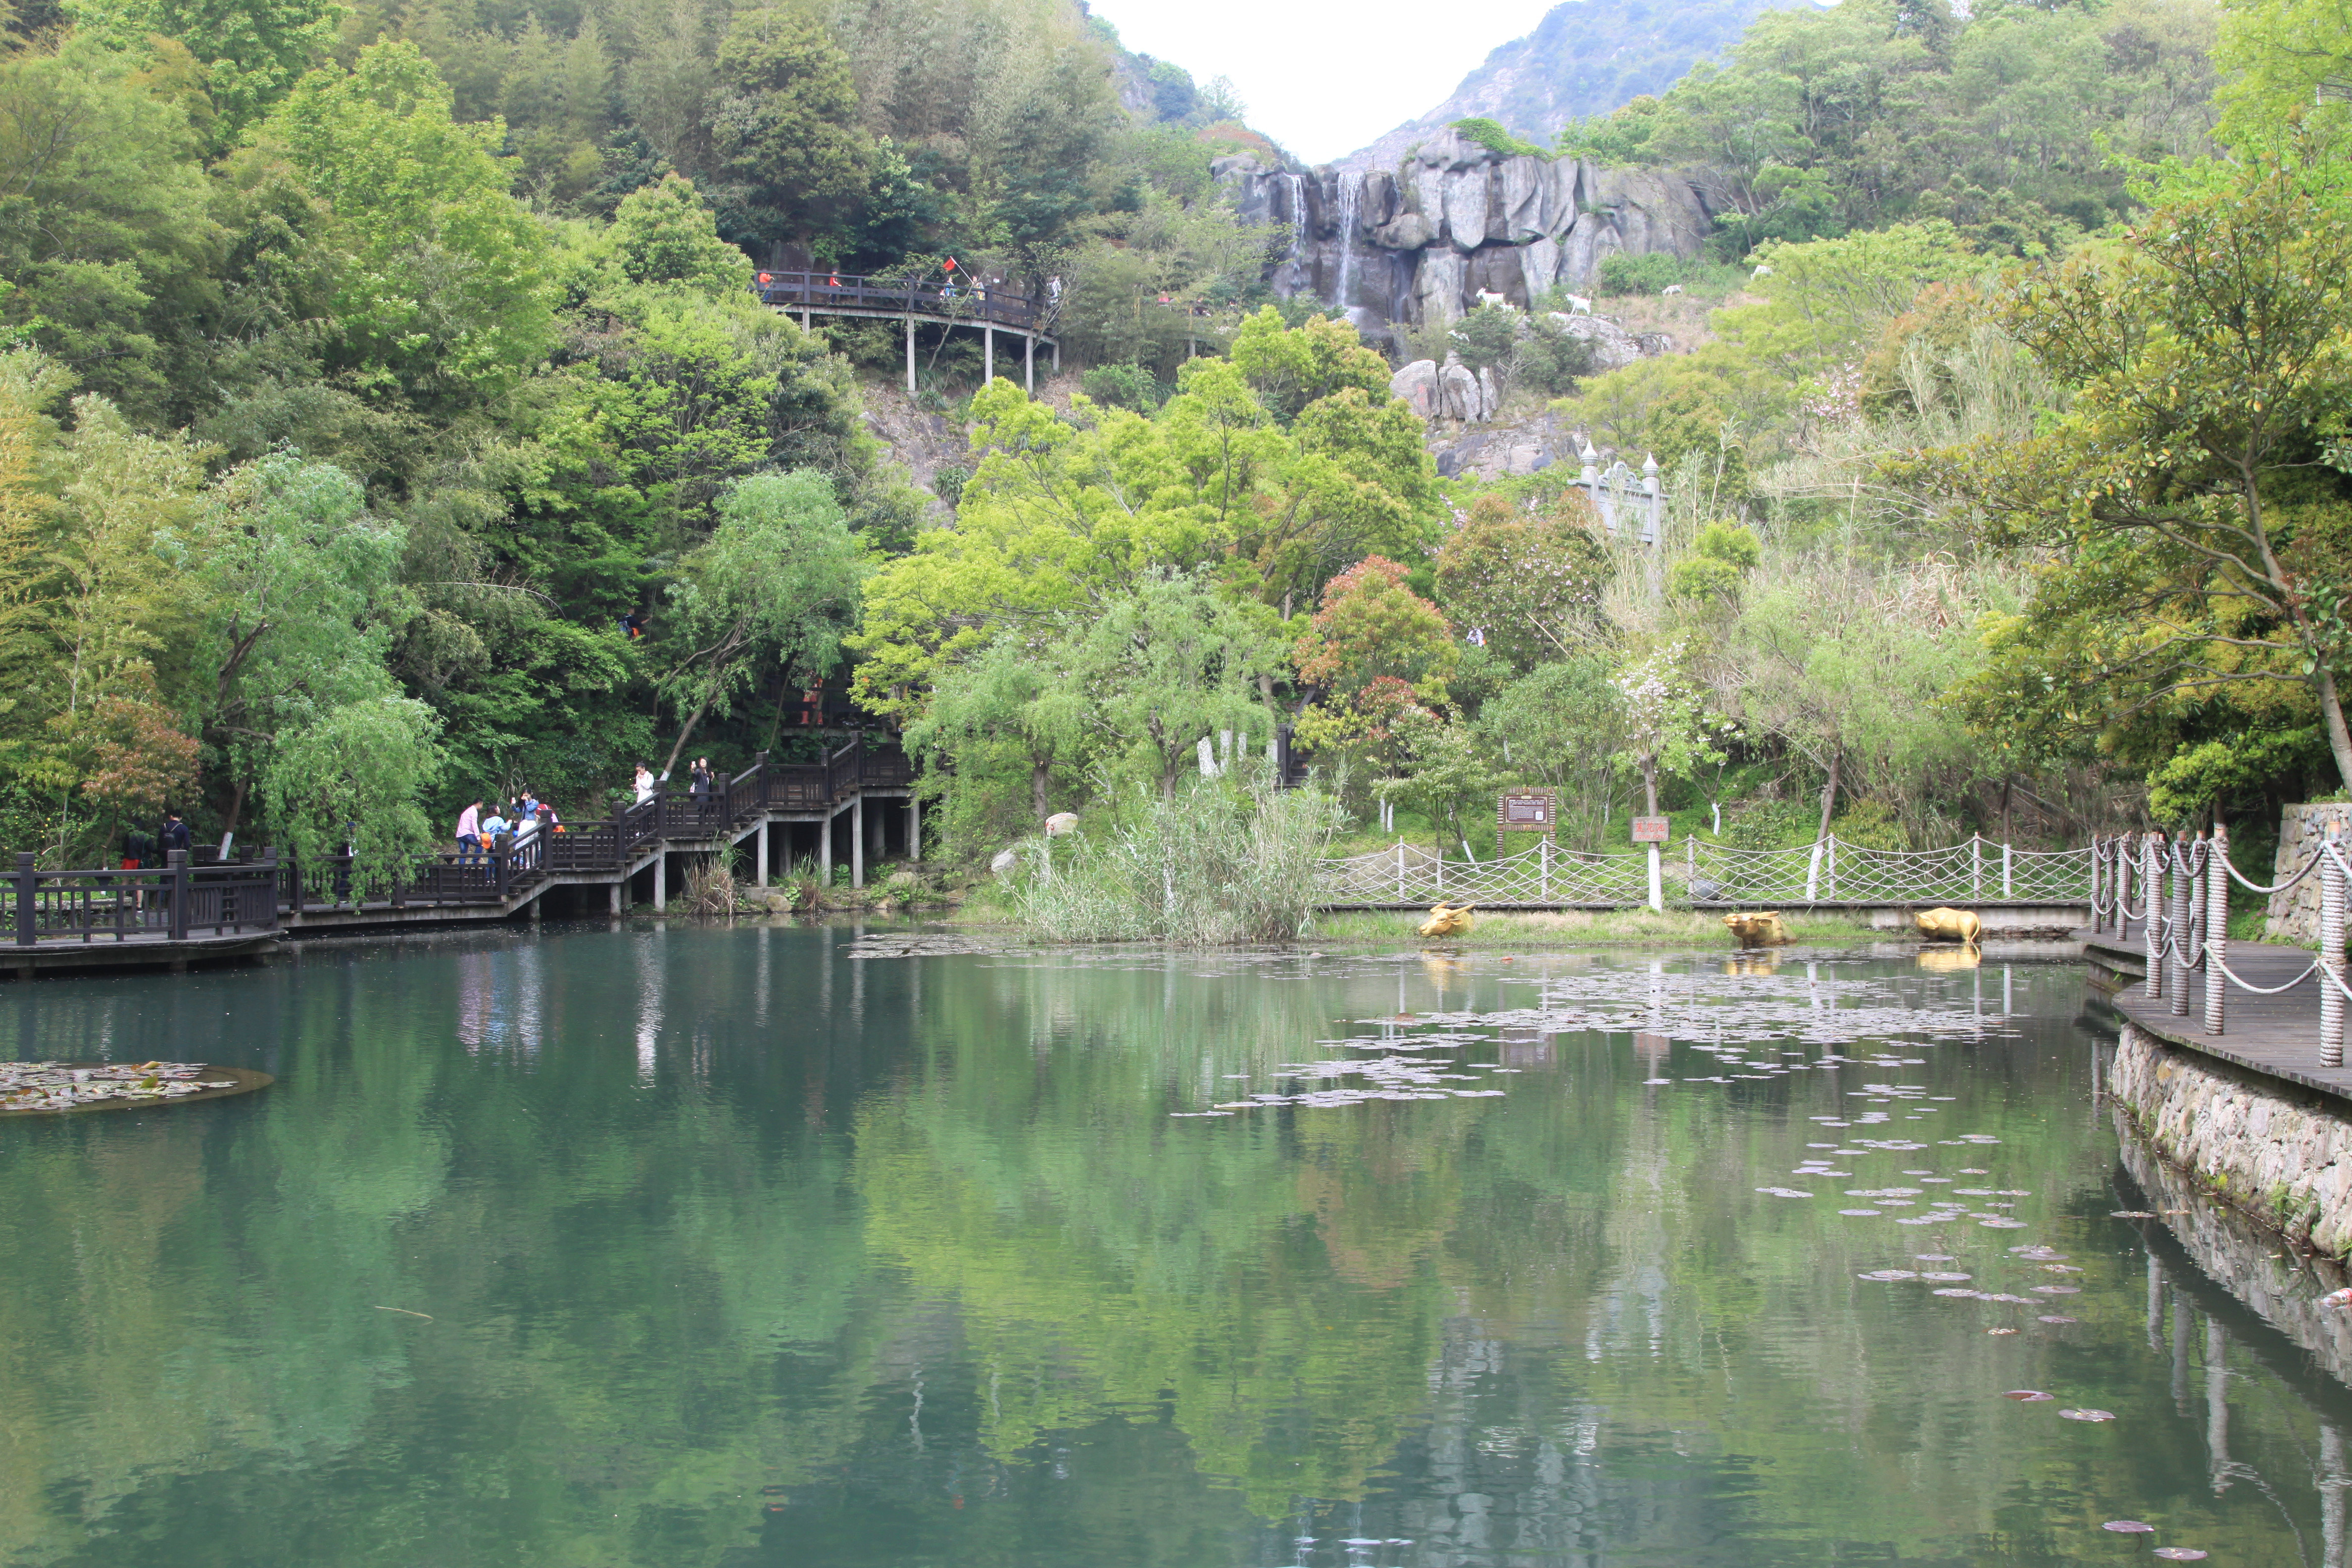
x: 857, y: 842
x: 1057, y: 356
x: 1029, y: 362
x: 824, y: 851
x: 616, y: 902
x: 661, y: 879
x: 804, y: 317
x: 987, y: 354
x: 910, y: 354
x: 761, y: 879
x: 914, y: 830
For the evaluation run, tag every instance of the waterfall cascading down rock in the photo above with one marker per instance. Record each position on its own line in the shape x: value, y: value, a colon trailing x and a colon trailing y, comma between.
x: 1351, y: 191
x: 1455, y: 220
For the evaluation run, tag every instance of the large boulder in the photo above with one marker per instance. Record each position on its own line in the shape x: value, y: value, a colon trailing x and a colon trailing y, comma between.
x: 1460, y: 397
x: 1612, y: 346
x: 1416, y: 385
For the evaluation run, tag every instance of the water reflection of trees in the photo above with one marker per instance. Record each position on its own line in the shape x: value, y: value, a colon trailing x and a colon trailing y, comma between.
x: 710, y: 1227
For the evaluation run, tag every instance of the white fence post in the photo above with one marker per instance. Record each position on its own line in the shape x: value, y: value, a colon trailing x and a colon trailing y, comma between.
x: 1813, y: 874
x: 1976, y: 866
x: 2151, y: 884
x: 1544, y: 858
x: 1399, y: 868
x: 2007, y: 888
x: 2331, y: 953
x: 2182, y: 904
x: 2120, y: 886
x: 2217, y: 924
x: 1829, y: 861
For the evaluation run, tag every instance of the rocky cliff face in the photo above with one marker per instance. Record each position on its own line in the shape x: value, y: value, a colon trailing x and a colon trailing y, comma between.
x: 1452, y: 220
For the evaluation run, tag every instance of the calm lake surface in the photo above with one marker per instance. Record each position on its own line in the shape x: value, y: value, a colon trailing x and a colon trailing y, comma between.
x: 728, y: 1246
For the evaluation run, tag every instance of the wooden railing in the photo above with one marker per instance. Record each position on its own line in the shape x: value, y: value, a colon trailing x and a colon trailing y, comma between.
x: 967, y: 302
x: 189, y: 897
x: 174, y: 903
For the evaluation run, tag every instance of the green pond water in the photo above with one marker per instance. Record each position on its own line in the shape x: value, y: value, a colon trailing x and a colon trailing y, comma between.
x: 680, y: 1247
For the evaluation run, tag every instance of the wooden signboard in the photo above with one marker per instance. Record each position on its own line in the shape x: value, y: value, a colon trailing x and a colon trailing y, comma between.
x: 1649, y: 829
x: 1527, y: 811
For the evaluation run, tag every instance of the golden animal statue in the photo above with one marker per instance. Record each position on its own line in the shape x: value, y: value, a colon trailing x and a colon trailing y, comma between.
x: 1950, y: 925
x: 1759, y: 928
x: 1447, y: 920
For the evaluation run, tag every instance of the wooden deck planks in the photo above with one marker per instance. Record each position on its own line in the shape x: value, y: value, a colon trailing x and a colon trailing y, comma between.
x: 2275, y: 1035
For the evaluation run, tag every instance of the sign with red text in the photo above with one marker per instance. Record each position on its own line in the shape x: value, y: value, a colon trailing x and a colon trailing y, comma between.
x: 1649, y: 829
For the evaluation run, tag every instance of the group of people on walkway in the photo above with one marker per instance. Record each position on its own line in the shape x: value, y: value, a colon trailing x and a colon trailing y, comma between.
x: 145, y: 852
x: 506, y: 829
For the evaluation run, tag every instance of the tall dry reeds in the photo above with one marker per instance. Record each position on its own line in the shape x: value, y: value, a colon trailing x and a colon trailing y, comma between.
x: 1217, y: 863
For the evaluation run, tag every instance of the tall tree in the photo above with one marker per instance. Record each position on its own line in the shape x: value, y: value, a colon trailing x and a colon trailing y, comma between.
x: 776, y: 583
x: 2194, y: 528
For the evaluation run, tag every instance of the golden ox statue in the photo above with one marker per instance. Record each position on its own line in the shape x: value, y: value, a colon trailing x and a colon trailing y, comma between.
x: 1759, y: 928
x: 1446, y: 919
x: 1950, y: 925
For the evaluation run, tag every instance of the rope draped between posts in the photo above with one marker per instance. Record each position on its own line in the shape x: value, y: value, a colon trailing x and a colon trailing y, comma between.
x: 2184, y: 917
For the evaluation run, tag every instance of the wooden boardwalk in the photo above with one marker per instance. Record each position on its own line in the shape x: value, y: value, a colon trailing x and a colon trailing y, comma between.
x: 197, y: 910
x: 2277, y: 1037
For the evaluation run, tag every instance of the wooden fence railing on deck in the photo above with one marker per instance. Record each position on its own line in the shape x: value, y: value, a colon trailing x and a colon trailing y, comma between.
x: 192, y: 898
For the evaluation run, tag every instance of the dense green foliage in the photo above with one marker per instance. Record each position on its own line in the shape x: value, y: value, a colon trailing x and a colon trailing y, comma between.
x: 2006, y: 123
x: 371, y: 366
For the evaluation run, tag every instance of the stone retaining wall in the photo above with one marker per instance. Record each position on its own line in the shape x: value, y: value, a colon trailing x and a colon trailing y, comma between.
x: 2284, y: 1290
x: 2293, y: 915
x: 2281, y: 1153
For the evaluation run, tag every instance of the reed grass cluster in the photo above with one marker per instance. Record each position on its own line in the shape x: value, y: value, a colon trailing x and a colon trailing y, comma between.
x: 1216, y: 863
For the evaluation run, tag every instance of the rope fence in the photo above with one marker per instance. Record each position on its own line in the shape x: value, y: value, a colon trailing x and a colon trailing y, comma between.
x: 2183, y: 913
x: 1829, y: 872
x: 2173, y: 890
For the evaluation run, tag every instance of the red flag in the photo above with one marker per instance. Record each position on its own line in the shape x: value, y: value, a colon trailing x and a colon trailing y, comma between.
x: 950, y: 265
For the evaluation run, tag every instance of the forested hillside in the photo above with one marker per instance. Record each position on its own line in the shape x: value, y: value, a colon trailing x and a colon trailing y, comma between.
x: 387, y: 421
x: 367, y: 367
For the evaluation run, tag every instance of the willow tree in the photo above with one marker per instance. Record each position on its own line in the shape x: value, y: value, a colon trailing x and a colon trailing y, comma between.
x: 776, y: 583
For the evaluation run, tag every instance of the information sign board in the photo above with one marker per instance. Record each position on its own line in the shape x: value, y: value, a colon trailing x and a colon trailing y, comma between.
x: 1649, y: 829
x: 1527, y: 811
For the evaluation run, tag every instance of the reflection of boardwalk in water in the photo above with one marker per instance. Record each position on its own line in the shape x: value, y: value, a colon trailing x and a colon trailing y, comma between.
x: 2258, y: 1302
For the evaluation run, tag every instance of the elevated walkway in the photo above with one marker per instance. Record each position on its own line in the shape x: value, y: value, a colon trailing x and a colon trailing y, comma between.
x: 989, y: 310
x: 187, y: 913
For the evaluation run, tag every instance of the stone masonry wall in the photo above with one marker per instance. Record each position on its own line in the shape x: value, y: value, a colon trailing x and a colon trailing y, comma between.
x: 2280, y: 1152
x: 2293, y: 915
x: 2284, y: 1289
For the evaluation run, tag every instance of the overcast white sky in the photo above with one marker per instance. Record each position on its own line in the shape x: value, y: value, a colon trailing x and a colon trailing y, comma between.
x: 1320, y: 78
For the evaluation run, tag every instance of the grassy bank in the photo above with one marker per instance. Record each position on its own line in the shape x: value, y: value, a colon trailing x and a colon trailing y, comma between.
x: 1628, y: 928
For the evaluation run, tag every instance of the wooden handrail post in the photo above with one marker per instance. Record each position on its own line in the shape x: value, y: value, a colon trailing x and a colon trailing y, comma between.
x: 179, y: 870
x: 26, y: 880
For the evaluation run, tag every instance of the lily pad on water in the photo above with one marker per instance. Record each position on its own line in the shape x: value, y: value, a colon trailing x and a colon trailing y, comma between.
x: 2086, y: 1414
x: 1861, y: 1213
x: 2057, y: 1290
x: 2135, y: 1213
x: 1888, y: 1274
x: 1941, y: 1275
x: 2054, y: 1318
x: 2180, y: 1554
x: 2028, y: 1395
x: 2129, y: 1527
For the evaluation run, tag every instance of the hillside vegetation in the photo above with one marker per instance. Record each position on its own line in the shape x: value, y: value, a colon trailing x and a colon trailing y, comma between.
x: 388, y: 421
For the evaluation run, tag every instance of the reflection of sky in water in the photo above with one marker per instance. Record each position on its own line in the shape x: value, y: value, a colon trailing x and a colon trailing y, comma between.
x: 727, y: 1247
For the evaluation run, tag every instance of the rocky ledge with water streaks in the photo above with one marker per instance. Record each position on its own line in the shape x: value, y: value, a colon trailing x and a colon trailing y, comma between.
x: 1454, y: 220
x: 2279, y: 1153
